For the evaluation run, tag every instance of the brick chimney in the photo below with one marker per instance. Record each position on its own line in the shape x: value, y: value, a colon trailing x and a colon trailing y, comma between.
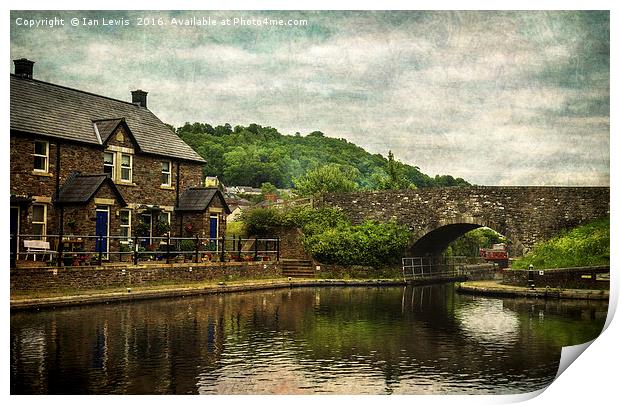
x: 139, y: 97
x: 23, y: 68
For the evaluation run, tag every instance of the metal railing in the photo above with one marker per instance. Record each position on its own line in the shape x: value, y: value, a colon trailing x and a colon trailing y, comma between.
x: 72, y: 250
x: 424, y: 267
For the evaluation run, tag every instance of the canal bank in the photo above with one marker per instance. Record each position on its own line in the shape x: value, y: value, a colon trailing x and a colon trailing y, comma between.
x: 496, y: 288
x: 170, y: 291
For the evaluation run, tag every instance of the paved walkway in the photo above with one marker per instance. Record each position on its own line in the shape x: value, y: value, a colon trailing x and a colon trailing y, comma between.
x: 496, y: 288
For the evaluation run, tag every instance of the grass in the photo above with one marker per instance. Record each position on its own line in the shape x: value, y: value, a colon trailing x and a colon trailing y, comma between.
x: 586, y: 245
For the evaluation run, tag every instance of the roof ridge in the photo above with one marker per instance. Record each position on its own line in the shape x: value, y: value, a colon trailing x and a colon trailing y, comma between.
x: 109, y: 119
x: 78, y: 90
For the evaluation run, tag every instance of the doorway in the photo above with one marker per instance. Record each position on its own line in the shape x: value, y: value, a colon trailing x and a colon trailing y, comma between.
x: 102, y: 230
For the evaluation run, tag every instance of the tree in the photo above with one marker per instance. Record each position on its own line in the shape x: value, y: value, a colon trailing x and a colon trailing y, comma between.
x: 396, y: 177
x: 268, y: 189
x: 469, y: 243
x: 327, y: 178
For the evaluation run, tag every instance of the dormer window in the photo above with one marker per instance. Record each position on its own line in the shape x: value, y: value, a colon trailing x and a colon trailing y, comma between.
x: 41, y: 156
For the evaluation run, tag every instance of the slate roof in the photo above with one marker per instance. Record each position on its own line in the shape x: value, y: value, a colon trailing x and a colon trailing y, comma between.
x: 80, y: 188
x: 199, y: 199
x: 105, y: 128
x: 56, y: 111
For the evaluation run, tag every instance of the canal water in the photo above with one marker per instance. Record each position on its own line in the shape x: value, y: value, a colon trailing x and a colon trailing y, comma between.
x: 357, y: 340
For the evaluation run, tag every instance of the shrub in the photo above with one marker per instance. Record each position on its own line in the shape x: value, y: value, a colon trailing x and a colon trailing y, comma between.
x: 261, y: 221
x: 371, y: 243
x: 187, y: 245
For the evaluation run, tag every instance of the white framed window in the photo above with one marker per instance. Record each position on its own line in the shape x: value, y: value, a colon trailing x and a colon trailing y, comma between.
x: 125, y: 224
x: 126, y: 167
x: 166, y: 170
x: 39, y: 220
x: 108, y: 163
x: 118, y: 165
x: 41, y: 156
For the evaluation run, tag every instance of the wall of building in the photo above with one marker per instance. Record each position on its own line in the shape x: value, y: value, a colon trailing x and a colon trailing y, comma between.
x: 145, y: 188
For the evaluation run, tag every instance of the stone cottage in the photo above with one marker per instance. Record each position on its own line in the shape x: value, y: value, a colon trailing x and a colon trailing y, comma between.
x: 86, y: 164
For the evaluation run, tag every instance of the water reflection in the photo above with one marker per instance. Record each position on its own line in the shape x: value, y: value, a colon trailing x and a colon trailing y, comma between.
x: 312, y: 340
x: 488, y: 322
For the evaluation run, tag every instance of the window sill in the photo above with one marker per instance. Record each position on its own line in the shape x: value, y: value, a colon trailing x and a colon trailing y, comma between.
x: 125, y: 183
x: 164, y: 187
x: 42, y: 174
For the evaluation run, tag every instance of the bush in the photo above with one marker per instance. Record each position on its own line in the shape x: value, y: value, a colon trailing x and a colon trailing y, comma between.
x: 313, y: 220
x: 187, y: 245
x: 371, y: 244
x: 261, y: 221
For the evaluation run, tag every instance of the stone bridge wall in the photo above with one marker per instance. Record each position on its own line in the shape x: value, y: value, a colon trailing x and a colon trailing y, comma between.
x: 525, y: 215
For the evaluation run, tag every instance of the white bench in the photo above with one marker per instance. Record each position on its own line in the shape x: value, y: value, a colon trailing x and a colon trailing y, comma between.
x: 37, y: 246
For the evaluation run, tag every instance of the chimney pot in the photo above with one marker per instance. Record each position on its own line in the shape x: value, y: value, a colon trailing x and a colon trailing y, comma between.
x: 139, y: 97
x: 23, y: 68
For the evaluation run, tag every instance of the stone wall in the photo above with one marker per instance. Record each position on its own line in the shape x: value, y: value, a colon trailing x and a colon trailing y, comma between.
x: 579, y: 277
x: 86, y: 278
x: 291, y: 243
x: 525, y: 215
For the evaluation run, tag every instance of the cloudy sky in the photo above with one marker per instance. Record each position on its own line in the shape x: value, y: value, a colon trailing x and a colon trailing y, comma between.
x: 498, y: 98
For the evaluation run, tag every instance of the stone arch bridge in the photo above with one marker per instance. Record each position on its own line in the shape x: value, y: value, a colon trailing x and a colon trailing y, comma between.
x: 437, y: 216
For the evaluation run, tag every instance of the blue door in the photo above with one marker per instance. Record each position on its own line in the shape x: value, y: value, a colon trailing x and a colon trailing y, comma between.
x: 102, y: 230
x: 213, y: 232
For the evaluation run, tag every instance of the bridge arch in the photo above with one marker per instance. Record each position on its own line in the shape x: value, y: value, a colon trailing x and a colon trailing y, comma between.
x: 434, y: 239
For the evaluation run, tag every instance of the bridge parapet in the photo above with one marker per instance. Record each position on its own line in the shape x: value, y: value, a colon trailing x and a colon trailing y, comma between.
x: 525, y: 215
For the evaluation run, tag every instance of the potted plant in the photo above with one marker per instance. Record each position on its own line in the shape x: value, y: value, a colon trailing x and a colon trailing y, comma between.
x: 67, y: 259
x: 187, y: 247
x: 161, y: 228
x: 142, y: 229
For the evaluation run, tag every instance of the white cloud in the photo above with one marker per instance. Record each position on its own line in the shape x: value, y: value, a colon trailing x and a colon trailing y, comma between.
x: 475, y: 95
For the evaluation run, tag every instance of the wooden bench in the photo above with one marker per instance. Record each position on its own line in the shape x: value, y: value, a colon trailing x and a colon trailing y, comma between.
x: 37, y: 246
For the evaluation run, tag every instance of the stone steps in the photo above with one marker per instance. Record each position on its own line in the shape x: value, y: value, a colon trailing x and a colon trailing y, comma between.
x: 297, y: 268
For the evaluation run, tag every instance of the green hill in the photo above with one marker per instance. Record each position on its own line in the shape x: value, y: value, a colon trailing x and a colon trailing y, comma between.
x: 586, y: 245
x: 255, y: 154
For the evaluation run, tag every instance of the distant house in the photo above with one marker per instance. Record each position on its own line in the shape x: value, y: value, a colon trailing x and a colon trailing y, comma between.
x: 235, y: 190
x: 83, y: 163
x: 213, y: 181
x: 236, y: 205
